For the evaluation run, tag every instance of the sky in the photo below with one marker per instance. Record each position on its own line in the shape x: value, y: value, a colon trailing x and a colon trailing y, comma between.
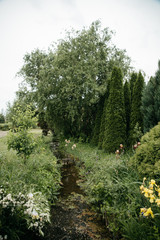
x: 29, y: 24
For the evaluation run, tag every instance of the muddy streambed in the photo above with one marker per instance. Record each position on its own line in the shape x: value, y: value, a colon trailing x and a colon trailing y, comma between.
x: 72, y: 218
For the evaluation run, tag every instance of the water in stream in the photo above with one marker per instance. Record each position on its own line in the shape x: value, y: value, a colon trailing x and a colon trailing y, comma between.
x: 72, y: 217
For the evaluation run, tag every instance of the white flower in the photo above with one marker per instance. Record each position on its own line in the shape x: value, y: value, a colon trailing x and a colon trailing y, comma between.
x: 30, y: 195
x: 35, y: 214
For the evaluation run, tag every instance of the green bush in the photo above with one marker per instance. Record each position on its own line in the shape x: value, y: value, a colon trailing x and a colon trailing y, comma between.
x: 5, y: 126
x: 147, y: 156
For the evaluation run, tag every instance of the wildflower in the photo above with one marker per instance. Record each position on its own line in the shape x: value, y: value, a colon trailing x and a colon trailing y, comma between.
x: 158, y: 202
x: 35, y: 214
x: 158, y: 190
x: 142, y: 211
x: 144, y: 179
x: 141, y: 187
x: 138, y: 143
x: 121, y: 146
x: 66, y: 145
x: 117, y: 152
x: 151, y: 186
x: 149, y: 212
x: 30, y: 195
x: 145, y: 190
x: 135, y: 146
x: 152, y: 197
x: 152, y: 182
x: 74, y: 146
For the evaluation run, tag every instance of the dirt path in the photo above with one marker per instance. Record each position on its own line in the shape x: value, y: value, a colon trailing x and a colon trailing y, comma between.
x: 3, y: 133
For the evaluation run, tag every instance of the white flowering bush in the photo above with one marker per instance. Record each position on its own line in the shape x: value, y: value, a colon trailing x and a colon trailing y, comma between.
x: 31, y: 211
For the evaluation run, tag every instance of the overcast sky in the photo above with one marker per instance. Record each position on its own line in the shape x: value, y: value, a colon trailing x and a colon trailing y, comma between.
x: 29, y: 24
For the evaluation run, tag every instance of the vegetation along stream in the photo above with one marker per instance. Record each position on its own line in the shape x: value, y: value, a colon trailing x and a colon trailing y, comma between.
x: 72, y: 217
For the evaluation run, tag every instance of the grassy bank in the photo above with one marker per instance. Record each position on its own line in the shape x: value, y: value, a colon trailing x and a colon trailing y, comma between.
x: 27, y: 189
x: 112, y: 187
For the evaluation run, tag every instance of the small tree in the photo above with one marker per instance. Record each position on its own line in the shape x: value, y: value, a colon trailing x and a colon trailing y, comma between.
x: 19, y: 138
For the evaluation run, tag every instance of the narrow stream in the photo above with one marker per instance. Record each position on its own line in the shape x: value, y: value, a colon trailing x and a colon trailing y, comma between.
x: 72, y: 217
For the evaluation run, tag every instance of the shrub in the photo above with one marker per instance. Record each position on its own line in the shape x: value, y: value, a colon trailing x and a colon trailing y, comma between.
x: 2, y: 118
x: 22, y: 212
x: 5, y: 126
x: 147, y: 156
x: 19, y: 139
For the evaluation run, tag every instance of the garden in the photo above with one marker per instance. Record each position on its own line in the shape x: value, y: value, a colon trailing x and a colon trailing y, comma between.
x: 98, y: 111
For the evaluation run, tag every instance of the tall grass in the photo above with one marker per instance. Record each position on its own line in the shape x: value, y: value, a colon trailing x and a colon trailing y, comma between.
x: 112, y: 187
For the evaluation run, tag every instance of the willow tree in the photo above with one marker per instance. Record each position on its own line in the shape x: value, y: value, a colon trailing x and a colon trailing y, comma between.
x: 115, y: 119
x: 70, y: 79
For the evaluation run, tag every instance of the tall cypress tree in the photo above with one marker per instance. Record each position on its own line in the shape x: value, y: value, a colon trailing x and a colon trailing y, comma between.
x: 96, y: 130
x: 127, y: 103
x: 102, y: 123
x: 132, y: 82
x: 136, y: 113
x: 115, y: 120
x: 151, y: 102
x: 157, y: 93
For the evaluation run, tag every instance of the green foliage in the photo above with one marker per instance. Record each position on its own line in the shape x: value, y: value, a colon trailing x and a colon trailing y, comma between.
x: 23, y: 119
x: 103, y: 115
x: 136, y: 114
x: 5, y: 126
x: 42, y: 123
x: 96, y: 130
x: 112, y: 187
x: 127, y: 103
x: 115, y: 120
x: 150, y: 102
x: 148, y: 108
x: 22, y: 142
x: 29, y: 188
x: 147, y: 156
x: 136, y: 134
x: 132, y: 82
x: 75, y: 72
x: 19, y: 139
x: 2, y: 118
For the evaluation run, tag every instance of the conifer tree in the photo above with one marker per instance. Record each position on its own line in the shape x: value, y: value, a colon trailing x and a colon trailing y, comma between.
x: 132, y: 82
x: 96, y: 130
x: 157, y: 93
x: 127, y: 103
x: 102, y: 123
x: 136, y: 113
x: 115, y: 121
x: 151, y: 102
